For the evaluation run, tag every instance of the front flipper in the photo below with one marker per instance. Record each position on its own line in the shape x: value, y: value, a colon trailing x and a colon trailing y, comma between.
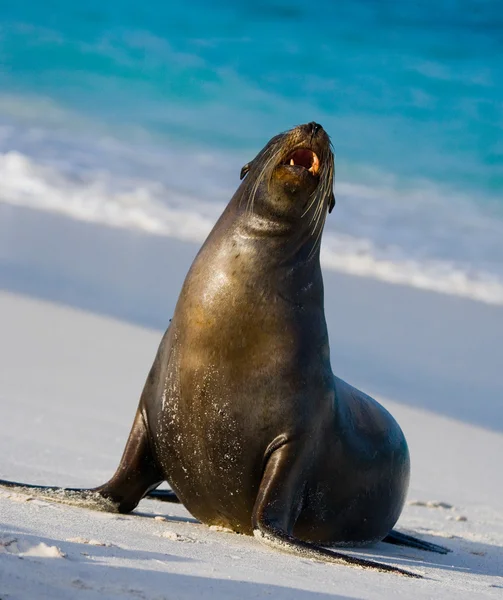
x: 137, y: 472
x: 279, y: 503
x: 402, y: 539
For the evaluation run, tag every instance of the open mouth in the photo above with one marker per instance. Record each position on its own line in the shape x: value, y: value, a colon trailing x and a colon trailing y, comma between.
x: 307, y: 159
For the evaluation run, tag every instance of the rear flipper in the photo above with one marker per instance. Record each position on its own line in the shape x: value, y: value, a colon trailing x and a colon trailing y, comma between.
x: 136, y: 475
x: 278, y: 504
x: 163, y: 496
x: 402, y: 539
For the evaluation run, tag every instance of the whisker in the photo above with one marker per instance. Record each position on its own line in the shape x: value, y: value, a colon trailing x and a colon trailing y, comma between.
x: 314, y: 196
x: 321, y: 221
x: 274, y: 151
x: 320, y: 213
x: 317, y: 205
x: 317, y: 211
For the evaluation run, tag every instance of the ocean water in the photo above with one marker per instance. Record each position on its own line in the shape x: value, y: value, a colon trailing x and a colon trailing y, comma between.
x: 140, y: 115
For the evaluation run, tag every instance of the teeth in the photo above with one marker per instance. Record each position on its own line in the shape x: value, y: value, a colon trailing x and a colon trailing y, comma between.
x: 315, y: 162
x: 315, y: 166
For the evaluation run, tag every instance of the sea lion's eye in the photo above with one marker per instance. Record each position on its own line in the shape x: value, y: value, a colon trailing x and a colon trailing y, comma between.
x: 244, y: 171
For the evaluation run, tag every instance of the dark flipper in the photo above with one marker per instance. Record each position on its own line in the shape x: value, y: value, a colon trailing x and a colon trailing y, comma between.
x: 159, y: 495
x: 278, y: 505
x: 402, y: 539
x: 83, y: 497
x: 137, y: 473
x: 163, y: 496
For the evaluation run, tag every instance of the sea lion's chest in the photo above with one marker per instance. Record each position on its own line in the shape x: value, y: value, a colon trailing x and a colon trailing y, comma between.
x: 245, y: 364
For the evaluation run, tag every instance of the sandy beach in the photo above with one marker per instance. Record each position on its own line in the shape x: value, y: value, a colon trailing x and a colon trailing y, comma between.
x: 124, y: 128
x: 82, y: 313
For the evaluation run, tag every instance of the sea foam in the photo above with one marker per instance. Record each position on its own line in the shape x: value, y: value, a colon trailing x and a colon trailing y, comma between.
x: 154, y: 208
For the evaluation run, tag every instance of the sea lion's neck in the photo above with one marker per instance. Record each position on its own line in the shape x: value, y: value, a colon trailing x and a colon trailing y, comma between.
x: 252, y: 270
x: 275, y: 239
x: 263, y: 254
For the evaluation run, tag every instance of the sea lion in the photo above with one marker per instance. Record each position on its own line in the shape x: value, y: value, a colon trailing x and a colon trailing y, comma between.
x: 241, y: 413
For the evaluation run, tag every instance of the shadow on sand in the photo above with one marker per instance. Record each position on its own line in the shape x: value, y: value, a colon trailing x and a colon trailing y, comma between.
x: 87, y: 572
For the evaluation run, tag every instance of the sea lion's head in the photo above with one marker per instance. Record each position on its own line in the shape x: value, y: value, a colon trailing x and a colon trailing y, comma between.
x: 292, y: 176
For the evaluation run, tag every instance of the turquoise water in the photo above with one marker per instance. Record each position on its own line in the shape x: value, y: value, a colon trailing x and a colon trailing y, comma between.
x: 154, y: 105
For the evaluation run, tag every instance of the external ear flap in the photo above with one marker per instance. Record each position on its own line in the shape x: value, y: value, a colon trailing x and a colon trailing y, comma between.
x: 331, y: 202
x: 244, y: 170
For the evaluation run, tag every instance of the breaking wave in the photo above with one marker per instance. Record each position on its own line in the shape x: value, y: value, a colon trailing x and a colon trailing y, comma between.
x: 377, y: 246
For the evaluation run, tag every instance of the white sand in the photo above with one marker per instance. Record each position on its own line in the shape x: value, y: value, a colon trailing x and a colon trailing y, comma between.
x: 69, y: 385
x: 70, y: 382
